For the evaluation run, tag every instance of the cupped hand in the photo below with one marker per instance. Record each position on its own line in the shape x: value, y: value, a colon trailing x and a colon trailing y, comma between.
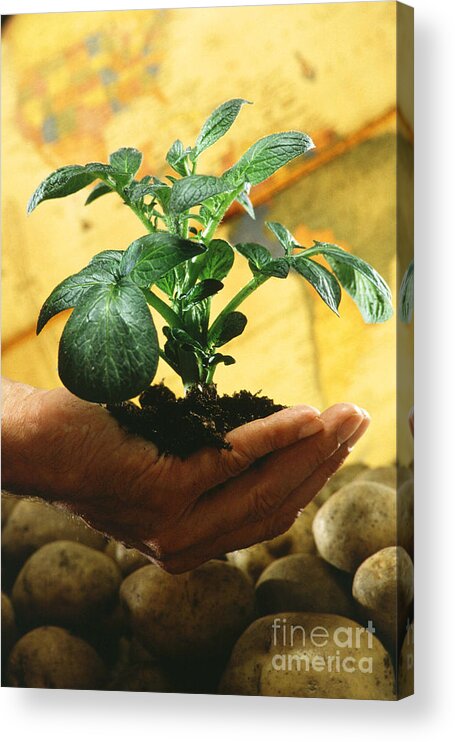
x: 181, y: 513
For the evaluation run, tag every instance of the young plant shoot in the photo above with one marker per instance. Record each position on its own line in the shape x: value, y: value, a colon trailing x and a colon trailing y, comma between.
x: 109, y: 348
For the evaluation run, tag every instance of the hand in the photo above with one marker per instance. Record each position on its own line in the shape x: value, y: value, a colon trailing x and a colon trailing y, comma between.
x: 178, y: 512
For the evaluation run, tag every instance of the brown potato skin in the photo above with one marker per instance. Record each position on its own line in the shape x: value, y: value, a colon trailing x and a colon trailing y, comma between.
x: 303, y: 582
x: 34, y: 523
x: 385, y: 581
x: 391, y: 476
x: 251, y: 670
x: 128, y: 560
x: 299, y: 538
x: 65, y: 584
x: 143, y: 677
x: 405, y: 516
x: 196, y: 614
x: 383, y: 586
x: 9, y: 630
x: 9, y: 502
x: 252, y: 561
x: 343, y: 476
x: 51, y: 657
x: 405, y: 679
x: 355, y: 522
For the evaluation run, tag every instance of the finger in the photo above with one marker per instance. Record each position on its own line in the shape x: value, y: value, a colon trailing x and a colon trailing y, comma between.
x: 259, y: 492
x: 268, y: 528
x: 304, y: 493
x: 252, y: 441
x: 283, y: 519
x: 286, y: 469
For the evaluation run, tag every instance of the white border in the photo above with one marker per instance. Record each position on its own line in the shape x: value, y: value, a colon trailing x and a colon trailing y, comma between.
x: 58, y: 715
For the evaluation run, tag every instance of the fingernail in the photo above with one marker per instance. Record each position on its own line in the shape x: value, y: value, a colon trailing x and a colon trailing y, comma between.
x: 359, y: 432
x: 311, y: 426
x: 349, y: 427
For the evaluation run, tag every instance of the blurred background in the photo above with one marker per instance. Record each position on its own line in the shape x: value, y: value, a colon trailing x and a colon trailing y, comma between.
x: 76, y: 86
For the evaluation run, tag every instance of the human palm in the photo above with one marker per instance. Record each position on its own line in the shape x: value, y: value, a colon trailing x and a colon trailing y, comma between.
x: 183, y: 512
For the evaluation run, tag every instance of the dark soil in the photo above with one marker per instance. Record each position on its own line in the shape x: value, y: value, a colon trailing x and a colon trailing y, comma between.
x: 183, y: 425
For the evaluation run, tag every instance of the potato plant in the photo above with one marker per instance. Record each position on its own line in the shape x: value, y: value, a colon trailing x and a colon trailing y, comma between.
x: 109, y: 348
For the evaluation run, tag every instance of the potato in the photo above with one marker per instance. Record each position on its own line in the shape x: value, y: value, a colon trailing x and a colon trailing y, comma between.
x: 67, y: 584
x: 9, y: 502
x: 299, y: 538
x: 385, y: 581
x: 195, y: 614
x: 128, y: 560
x: 383, y: 587
x: 8, y: 626
x: 143, y: 677
x: 252, y: 561
x: 302, y: 582
x: 50, y: 657
x: 343, y: 476
x: 309, y: 655
x: 35, y: 523
x: 406, y: 665
x: 405, y: 516
x: 357, y: 521
x: 391, y: 476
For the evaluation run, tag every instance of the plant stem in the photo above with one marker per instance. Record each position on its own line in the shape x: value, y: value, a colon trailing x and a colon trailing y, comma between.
x: 210, y: 374
x: 193, y: 269
x: 141, y: 216
x: 235, y: 302
x: 209, y: 231
x: 164, y: 309
x: 139, y: 213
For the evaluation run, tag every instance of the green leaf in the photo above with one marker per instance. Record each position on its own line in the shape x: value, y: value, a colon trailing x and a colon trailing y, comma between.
x: 99, y: 190
x: 67, y: 180
x: 149, y: 258
x: 183, y: 352
x: 321, y: 279
x: 70, y: 291
x: 217, y: 261
x: 217, y: 124
x: 162, y: 194
x: 233, y: 325
x: 283, y: 236
x: 406, y: 294
x: 167, y: 283
x: 244, y: 200
x: 261, y: 261
x: 176, y: 157
x: 137, y: 190
x: 112, y: 256
x: 267, y: 155
x: 109, y: 348
x: 196, y: 319
x: 366, y: 287
x: 220, y: 358
x: 183, y: 339
x: 126, y: 160
x: 202, y: 290
x: 194, y: 189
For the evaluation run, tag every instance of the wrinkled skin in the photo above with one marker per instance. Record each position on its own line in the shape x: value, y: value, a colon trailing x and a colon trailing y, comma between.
x: 180, y: 513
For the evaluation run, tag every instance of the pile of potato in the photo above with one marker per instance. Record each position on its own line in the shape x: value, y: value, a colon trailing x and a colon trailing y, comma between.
x: 284, y: 617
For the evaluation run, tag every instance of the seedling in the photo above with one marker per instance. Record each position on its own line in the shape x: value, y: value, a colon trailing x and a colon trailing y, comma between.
x: 109, y: 348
